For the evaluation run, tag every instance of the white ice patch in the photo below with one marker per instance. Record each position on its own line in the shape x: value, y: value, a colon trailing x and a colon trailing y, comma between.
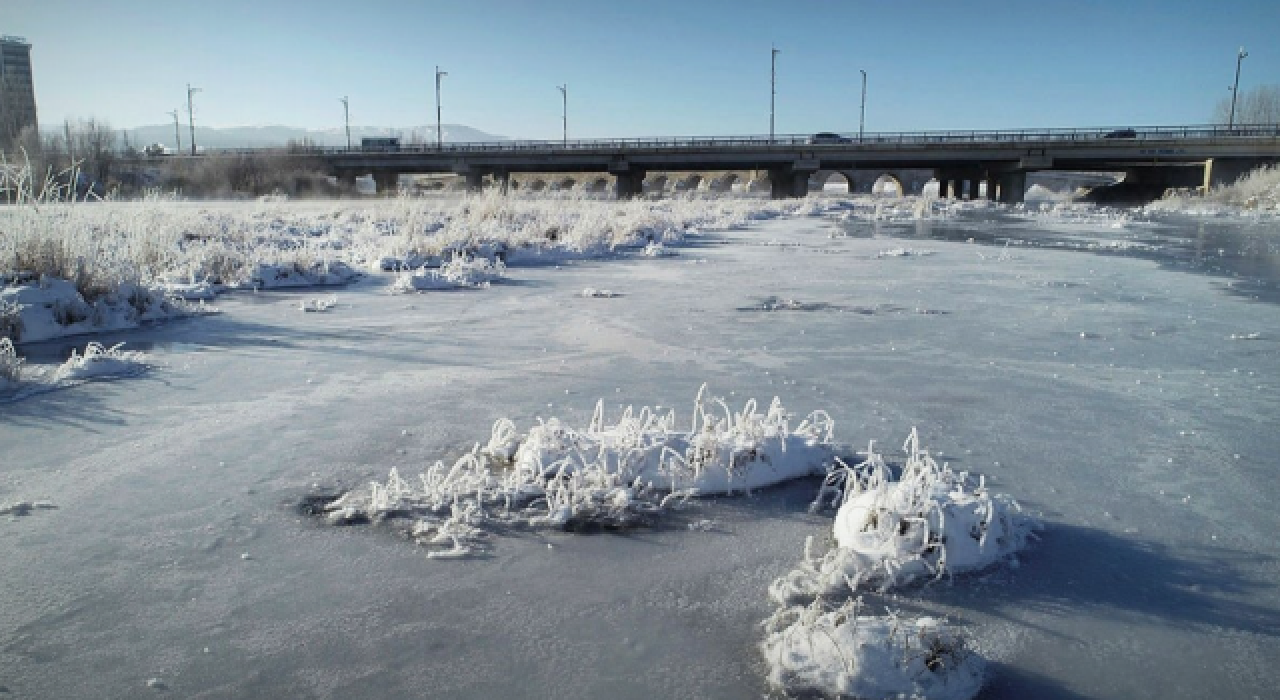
x: 929, y: 522
x: 593, y: 293
x: 843, y: 653
x: 903, y: 253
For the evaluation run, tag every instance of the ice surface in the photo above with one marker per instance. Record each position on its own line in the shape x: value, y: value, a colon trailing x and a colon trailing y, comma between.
x: 1146, y: 447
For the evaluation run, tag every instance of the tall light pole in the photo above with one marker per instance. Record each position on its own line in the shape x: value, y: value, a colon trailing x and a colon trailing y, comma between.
x: 773, y: 86
x: 177, y: 133
x: 1231, y: 120
x: 564, y: 93
x: 439, y: 134
x: 191, y: 116
x: 862, y: 114
x: 346, y: 119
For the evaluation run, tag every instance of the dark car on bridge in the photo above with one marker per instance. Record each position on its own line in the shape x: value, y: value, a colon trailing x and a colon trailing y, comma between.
x: 829, y: 137
x: 1121, y: 134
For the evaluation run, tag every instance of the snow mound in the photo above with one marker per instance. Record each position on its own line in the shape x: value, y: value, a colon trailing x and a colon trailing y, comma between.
x: 593, y: 293
x: 318, y: 274
x: 458, y: 273
x: 1258, y: 192
x: 843, y: 653
x: 52, y: 308
x: 101, y: 362
x: 606, y: 475
x: 929, y: 522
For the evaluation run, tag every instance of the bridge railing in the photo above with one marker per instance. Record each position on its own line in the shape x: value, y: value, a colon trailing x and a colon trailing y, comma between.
x: 808, y: 141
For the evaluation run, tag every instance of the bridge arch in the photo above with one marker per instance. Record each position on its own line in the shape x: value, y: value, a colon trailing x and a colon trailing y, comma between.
x: 723, y: 183
x: 688, y: 183
x: 563, y: 184
x: 835, y: 181
x: 657, y: 183
x: 888, y: 184
x: 599, y: 184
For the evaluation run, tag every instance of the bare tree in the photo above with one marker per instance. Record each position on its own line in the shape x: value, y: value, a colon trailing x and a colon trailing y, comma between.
x: 1260, y: 105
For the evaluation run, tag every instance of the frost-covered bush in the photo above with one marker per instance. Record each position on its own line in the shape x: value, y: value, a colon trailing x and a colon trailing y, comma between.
x: 844, y: 653
x: 611, y: 475
x: 928, y: 522
x: 461, y: 272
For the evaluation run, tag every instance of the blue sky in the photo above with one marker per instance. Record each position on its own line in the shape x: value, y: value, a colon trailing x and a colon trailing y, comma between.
x: 645, y: 68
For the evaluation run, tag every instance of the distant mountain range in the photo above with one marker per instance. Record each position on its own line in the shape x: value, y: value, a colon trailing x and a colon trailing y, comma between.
x: 268, y: 136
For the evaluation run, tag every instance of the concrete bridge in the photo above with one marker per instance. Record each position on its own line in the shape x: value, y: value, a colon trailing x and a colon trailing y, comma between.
x: 961, y: 161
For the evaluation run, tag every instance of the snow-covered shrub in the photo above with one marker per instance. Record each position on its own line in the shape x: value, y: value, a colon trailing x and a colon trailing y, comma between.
x: 930, y: 521
x: 844, y: 653
x: 99, y: 361
x: 606, y: 475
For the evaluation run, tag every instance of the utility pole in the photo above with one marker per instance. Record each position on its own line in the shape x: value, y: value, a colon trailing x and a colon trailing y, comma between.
x: 564, y: 93
x: 773, y: 87
x: 1231, y: 121
x: 439, y: 134
x: 177, y: 133
x: 862, y: 115
x: 346, y: 119
x: 191, y: 116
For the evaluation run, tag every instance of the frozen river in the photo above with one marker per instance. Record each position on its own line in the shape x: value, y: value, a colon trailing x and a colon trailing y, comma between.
x: 1118, y: 377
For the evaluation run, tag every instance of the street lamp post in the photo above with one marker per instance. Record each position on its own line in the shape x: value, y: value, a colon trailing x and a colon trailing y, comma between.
x: 862, y: 114
x: 191, y: 116
x: 773, y: 86
x: 346, y: 119
x: 564, y: 94
x: 1231, y: 120
x: 439, y: 134
x: 177, y: 133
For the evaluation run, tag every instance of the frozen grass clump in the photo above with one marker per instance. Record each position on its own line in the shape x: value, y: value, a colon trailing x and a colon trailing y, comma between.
x: 461, y: 272
x: 99, y: 361
x: 844, y: 653
x: 11, y: 366
x: 1256, y: 192
x: 318, y: 305
x: 317, y: 274
x: 611, y: 475
x: 927, y: 523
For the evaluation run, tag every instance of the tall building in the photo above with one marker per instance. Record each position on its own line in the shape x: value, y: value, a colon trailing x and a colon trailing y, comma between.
x: 17, y: 90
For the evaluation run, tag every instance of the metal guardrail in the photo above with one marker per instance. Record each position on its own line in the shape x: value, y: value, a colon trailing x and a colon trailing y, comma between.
x: 790, y: 141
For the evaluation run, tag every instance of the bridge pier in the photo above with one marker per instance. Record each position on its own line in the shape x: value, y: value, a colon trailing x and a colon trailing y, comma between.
x: 628, y: 183
x: 386, y: 182
x: 992, y: 185
x: 347, y: 180
x: 1013, y: 187
x: 475, y: 181
x: 788, y: 183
